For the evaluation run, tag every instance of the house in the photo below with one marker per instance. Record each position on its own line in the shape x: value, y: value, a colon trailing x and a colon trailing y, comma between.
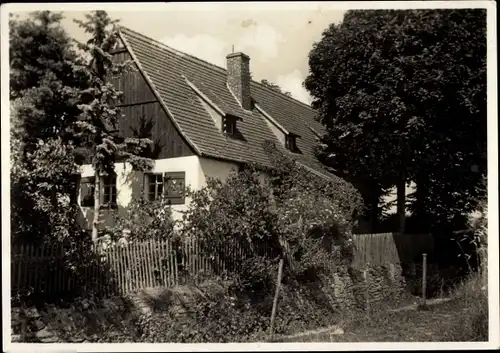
x: 205, y: 121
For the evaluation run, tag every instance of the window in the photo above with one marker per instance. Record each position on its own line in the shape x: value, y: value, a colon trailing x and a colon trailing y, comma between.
x: 229, y: 126
x: 109, y: 190
x: 154, y: 186
x: 168, y: 185
x: 291, y: 143
x: 74, y: 188
x: 87, y: 192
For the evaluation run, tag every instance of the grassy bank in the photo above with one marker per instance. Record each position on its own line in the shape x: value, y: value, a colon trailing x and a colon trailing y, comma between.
x: 463, y: 319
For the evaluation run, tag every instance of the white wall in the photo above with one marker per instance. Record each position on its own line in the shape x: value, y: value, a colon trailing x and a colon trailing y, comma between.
x: 129, y: 184
x: 215, y: 169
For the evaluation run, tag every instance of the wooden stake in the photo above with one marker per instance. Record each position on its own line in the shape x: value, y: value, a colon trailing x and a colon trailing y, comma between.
x: 424, y: 279
x: 276, y: 295
x: 367, y: 290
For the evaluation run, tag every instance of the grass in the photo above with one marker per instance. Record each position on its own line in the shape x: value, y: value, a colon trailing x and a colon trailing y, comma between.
x: 463, y: 319
x: 472, y: 325
x: 401, y: 326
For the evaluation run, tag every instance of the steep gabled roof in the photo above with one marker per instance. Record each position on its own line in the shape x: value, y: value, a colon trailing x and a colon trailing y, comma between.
x: 175, y: 77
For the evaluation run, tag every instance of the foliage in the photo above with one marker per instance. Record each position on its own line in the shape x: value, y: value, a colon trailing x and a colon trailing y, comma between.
x: 45, y: 82
x: 145, y: 219
x: 41, y: 200
x: 479, y: 224
x: 274, y: 87
x: 224, y: 314
x: 473, y: 325
x: 98, y: 123
x: 398, y: 92
x: 45, y: 78
x: 294, y: 214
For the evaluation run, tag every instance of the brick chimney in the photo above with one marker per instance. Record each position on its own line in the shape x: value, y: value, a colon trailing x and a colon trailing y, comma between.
x: 238, y: 78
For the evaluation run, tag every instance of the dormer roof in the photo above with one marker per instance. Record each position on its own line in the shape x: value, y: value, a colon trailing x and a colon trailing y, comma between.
x: 179, y: 80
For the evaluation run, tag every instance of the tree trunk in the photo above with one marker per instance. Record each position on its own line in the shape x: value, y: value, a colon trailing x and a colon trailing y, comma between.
x: 401, y: 187
x: 401, y: 208
x: 97, y: 206
x: 420, y: 206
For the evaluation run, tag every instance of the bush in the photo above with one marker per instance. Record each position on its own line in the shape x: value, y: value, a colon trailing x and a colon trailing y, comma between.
x: 294, y: 214
x: 473, y: 291
x: 145, y: 220
x: 215, y: 316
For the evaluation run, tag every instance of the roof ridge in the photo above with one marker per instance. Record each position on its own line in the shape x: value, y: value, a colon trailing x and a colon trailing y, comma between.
x: 173, y: 50
x: 291, y: 99
x: 206, y: 63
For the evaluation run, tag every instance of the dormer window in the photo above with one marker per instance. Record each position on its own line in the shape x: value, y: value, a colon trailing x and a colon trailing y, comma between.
x: 291, y: 143
x: 228, y: 126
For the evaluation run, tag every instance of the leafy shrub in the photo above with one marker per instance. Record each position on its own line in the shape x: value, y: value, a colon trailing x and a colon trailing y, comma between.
x: 41, y: 190
x: 145, y: 220
x: 293, y: 214
x: 216, y: 316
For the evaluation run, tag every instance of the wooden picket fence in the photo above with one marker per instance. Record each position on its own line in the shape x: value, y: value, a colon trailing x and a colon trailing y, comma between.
x: 163, y: 263
x: 120, y: 270
x: 390, y: 248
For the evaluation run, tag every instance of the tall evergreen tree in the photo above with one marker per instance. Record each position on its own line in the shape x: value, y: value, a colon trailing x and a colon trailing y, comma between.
x: 98, y: 124
x: 45, y: 83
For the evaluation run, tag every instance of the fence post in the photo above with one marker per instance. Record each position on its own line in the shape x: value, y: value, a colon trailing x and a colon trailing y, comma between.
x: 275, y: 301
x: 424, y: 279
x: 367, y: 289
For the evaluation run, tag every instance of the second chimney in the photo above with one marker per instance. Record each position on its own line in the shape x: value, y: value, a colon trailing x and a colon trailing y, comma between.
x: 238, y: 78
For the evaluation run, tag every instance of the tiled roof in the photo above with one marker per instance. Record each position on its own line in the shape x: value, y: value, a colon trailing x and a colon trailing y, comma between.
x: 169, y: 71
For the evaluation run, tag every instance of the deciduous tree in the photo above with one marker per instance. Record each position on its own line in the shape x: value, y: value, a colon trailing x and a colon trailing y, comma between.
x: 399, y: 91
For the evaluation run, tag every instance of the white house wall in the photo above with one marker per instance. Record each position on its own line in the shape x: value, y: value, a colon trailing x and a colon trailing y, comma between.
x: 280, y: 135
x: 215, y: 169
x: 129, y: 184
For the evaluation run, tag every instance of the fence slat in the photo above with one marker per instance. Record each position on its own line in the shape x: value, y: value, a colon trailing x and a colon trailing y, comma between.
x: 133, y: 267
x: 144, y: 257
x: 138, y: 259
x: 168, y: 264
x: 175, y: 268
x: 149, y: 250
x: 147, y: 263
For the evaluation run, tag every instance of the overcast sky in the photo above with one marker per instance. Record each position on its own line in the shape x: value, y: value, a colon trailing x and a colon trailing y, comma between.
x: 277, y: 41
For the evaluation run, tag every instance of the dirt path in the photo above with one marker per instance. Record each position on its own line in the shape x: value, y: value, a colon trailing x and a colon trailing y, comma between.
x: 405, y: 324
x: 430, y: 302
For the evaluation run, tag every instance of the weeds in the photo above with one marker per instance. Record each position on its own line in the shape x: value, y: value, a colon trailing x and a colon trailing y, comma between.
x: 472, y: 296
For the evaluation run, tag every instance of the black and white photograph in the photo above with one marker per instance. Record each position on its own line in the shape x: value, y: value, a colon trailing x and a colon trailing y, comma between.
x: 249, y: 176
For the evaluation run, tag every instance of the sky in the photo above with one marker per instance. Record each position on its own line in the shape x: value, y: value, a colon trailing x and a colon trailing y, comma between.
x: 277, y: 41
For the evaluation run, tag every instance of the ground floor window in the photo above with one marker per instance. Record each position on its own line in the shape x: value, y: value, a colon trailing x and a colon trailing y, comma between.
x: 108, y: 191
x: 169, y: 185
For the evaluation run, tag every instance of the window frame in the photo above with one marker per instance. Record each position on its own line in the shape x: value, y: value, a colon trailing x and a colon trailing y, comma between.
x: 229, y: 122
x: 91, y: 182
x: 112, y: 203
x: 176, y: 198
x: 88, y: 201
x: 291, y: 143
x: 147, y: 185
